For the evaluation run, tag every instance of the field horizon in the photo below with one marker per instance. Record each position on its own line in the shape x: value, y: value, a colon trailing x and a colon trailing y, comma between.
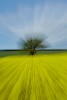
x: 9, y: 52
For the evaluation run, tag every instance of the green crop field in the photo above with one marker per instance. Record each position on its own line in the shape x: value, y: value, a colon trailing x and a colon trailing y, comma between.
x: 38, y: 77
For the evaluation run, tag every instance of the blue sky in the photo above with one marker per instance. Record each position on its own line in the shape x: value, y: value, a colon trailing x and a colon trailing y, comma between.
x: 22, y: 18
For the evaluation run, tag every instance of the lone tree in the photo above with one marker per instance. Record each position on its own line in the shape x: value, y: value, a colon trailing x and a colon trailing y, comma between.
x: 33, y: 44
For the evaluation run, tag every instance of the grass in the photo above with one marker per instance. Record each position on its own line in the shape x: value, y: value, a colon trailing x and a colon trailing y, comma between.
x: 12, y: 52
x: 4, y: 53
x: 39, y: 77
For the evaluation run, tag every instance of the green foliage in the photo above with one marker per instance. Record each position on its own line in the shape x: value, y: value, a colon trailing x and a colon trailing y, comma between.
x: 32, y: 44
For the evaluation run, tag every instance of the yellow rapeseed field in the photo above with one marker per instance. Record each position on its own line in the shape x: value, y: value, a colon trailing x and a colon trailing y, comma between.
x: 38, y: 77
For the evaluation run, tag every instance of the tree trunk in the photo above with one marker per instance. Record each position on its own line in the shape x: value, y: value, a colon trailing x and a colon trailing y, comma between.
x: 32, y: 52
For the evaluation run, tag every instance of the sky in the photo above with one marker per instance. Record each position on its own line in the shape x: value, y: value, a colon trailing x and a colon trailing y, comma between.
x: 23, y: 18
